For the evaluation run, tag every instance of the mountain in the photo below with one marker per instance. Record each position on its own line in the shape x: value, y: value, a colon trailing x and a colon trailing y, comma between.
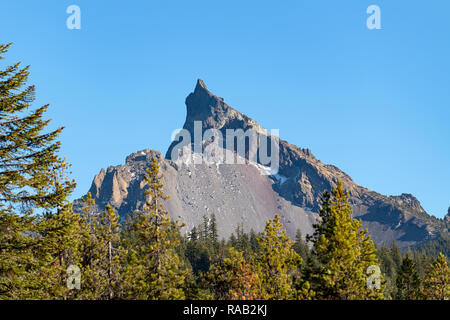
x: 251, y: 192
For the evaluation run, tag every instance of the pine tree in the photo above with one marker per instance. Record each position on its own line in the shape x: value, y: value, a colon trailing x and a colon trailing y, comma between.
x: 407, y: 281
x: 419, y: 263
x: 198, y: 255
x: 194, y: 234
x: 242, y: 241
x: 278, y: 262
x: 436, y: 285
x: 16, y: 261
x: 90, y: 212
x: 199, y: 251
x: 213, y: 232
x: 32, y: 179
x: 31, y: 173
x: 254, y: 245
x: 388, y: 267
x: 233, y: 278
x: 59, y: 247
x: 91, y: 252
x: 102, y: 254
x: 344, y: 253
x: 109, y: 233
x: 396, y: 254
x: 300, y: 246
x: 154, y: 269
x: 387, y: 263
x: 204, y: 231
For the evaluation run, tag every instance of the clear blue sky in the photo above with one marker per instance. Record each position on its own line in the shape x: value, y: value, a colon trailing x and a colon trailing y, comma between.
x: 375, y: 103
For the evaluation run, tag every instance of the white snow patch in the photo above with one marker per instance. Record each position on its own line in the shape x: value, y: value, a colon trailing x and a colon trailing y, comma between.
x: 280, y: 178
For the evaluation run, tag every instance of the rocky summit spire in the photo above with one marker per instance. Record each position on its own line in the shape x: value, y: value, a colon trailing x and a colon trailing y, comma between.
x: 200, y: 103
x: 213, y: 112
x: 200, y: 86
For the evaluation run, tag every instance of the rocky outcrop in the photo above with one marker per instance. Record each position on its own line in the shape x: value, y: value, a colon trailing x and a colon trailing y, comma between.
x: 234, y: 193
x: 240, y: 193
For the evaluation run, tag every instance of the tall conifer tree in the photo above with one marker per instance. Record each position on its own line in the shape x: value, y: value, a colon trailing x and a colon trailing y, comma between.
x: 343, y: 252
x: 278, y: 262
x: 154, y: 269
x: 31, y: 172
x: 234, y: 278
x: 60, y: 244
x: 102, y: 253
x: 407, y: 280
x: 33, y: 180
x: 436, y: 285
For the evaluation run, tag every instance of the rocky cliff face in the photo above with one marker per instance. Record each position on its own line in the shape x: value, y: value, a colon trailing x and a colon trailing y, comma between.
x: 240, y: 193
x: 234, y: 193
x: 447, y: 216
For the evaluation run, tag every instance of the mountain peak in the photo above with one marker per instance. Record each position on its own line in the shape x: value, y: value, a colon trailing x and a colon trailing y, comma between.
x: 408, y: 200
x: 201, y: 85
x: 202, y: 95
x: 201, y: 102
x: 214, y: 113
x: 295, y: 191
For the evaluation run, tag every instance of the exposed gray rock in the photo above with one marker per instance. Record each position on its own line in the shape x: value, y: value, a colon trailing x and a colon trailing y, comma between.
x: 234, y: 193
x: 240, y: 193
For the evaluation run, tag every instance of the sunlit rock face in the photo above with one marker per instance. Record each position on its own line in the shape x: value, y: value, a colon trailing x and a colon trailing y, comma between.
x: 250, y: 193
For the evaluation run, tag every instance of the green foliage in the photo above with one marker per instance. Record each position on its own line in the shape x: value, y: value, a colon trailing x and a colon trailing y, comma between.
x: 407, y: 281
x: 300, y: 246
x: 388, y: 267
x: 436, y: 285
x: 33, y: 185
x: 396, y: 254
x: 199, y: 255
x: 234, y: 278
x: 59, y: 246
x: 154, y: 270
x: 31, y: 173
x: 146, y: 257
x: 203, y: 247
x: 343, y: 252
x: 278, y: 262
x: 241, y: 240
x: 213, y: 233
x: 102, y: 254
x: 16, y: 262
x: 435, y: 247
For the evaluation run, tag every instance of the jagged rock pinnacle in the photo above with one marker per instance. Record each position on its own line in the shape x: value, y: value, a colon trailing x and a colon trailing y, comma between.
x: 213, y: 112
x: 201, y: 85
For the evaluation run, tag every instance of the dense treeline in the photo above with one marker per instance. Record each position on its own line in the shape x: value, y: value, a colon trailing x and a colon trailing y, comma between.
x: 390, y: 258
x: 433, y: 248
x: 148, y: 258
x: 48, y: 251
